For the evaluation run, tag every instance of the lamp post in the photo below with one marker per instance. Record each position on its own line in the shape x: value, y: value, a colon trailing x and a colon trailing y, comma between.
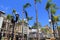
x: 13, y: 22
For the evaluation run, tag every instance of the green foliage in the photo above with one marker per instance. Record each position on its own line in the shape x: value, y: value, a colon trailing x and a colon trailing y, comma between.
x: 14, y: 11
x: 9, y: 17
x: 55, y: 18
x: 52, y: 5
x: 27, y: 5
x: 44, y: 29
x: 49, y: 0
x: 58, y: 28
x: 38, y: 0
x: 26, y: 14
x: 35, y: 26
x: 53, y: 11
x: 47, y: 5
x: 29, y: 18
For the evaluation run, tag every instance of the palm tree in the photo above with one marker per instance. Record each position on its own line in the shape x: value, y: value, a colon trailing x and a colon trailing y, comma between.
x: 35, y: 1
x: 14, y: 21
x: 56, y: 20
x: 26, y: 14
x: 14, y: 11
x: 8, y: 19
x: 24, y: 11
x: 35, y: 26
x: 47, y: 8
x: 51, y: 8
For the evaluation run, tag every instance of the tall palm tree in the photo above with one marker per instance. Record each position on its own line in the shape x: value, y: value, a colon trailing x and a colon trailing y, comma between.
x: 35, y: 1
x: 51, y: 8
x: 8, y: 19
x: 24, y: 11
x: 48, y: 7
x: 14, y: 21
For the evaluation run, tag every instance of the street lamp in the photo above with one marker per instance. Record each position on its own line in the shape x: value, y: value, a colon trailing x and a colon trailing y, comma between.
x: 13, y: 22
x: 49, y: 20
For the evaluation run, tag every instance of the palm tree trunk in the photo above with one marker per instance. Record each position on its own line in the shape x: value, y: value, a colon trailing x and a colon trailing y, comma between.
x: 53, y: 25
x: 22, y: 24
x: 12, y: 38
x: 49, y: 15
x: 36, y: 20
x: 8, y: 30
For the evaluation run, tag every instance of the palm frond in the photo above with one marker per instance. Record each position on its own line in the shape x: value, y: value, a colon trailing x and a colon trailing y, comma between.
x: 26, y: 14
x: 14, y: 11
x: 38, y: 1
x: 55, y: 18
x: 26, y: 5
x: 49, y: 0
x: 29, y: 18
x: 53, y: 11
x: 47, y: 6
x: 52, y: 5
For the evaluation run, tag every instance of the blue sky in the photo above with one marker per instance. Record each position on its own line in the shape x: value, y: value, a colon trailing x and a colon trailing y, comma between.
x: 8, y: 5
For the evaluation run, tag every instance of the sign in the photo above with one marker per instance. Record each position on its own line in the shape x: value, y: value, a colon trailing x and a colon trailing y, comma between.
x: 1, y: 21
x: 25, y: 30
x: 34, y: 30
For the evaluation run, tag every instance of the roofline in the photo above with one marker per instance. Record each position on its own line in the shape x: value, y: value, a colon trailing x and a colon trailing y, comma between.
x: 2, y: 12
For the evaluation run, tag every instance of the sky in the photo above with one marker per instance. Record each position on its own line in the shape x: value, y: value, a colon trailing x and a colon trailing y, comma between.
x: 8, y: 5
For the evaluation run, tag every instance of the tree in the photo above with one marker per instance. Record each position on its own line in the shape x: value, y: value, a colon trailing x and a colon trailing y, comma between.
x: 26, y: 14
x: 51, y: 8
x: 14, y: 11
x: 35, y: 26
x: 35, y: 1
x: 47, y: 7
x: 56, y: 19
x: 14, y: 19
x: 8, y: 19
